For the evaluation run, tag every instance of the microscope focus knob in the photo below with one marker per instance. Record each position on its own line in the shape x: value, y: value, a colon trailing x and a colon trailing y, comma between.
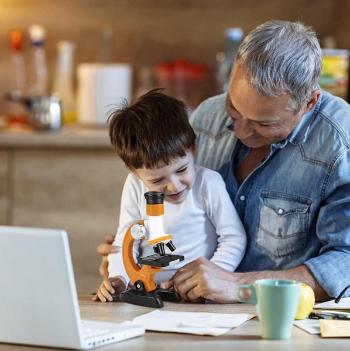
x: 138, y: 231
x: 139, y: 285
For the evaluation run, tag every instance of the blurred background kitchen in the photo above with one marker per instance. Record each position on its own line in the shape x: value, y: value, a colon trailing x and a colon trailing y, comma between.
x: 65, y: 63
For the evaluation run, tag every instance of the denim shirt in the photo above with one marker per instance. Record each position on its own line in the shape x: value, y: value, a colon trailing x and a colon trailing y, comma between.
x: 295, y: 206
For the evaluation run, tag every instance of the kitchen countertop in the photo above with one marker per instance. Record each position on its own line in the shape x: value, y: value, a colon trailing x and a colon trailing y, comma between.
x: 68, y: 137
x: 245, y: 337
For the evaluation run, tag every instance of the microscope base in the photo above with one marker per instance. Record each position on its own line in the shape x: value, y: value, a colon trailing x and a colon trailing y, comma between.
x: 142, y: 298
x: 169, y: 295
x: 149, y: 299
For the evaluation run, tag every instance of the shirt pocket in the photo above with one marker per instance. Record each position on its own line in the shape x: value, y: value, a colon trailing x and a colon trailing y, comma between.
x: 283, y: 223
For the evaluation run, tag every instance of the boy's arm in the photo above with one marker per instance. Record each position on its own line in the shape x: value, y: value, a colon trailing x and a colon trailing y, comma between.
x: 131, y: 203
x: 104, y: 250
x: 229, y: 229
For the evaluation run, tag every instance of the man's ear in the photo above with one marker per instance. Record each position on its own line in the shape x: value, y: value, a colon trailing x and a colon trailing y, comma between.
x: 315, y: 95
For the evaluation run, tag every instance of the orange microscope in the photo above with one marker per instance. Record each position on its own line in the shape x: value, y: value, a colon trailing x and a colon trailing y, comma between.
x: 145, y: 292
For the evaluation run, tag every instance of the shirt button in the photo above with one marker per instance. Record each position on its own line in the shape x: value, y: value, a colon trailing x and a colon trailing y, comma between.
x: 280, y: 211
x: 242, y: 197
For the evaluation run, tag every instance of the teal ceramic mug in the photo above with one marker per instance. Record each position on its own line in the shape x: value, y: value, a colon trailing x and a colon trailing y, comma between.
x: 276, y: 305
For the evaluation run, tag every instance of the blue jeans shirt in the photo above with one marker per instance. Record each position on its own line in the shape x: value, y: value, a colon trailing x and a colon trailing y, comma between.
x: 295, y: 206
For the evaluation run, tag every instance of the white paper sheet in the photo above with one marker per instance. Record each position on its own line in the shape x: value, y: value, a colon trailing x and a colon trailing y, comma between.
x: 344, y: 304
x: 311, y: 326
x: 200, y: 323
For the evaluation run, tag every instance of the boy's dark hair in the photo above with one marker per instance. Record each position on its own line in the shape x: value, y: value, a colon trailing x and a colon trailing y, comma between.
x: 152, y: 130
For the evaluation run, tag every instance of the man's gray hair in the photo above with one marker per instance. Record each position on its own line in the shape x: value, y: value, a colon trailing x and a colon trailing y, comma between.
x: 282, y: 57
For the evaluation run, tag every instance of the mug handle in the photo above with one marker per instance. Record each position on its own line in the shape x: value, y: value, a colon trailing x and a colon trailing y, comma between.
x: 244, y: 290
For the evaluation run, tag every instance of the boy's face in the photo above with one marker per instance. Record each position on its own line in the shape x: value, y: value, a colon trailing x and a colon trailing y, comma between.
x: 174, y: 179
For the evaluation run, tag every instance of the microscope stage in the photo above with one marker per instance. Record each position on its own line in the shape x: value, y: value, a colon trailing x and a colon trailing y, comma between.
x: 157, y: 260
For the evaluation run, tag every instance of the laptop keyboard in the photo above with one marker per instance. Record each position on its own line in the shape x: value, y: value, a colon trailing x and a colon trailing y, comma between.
x: 90, y: 331
x: 98, y: 333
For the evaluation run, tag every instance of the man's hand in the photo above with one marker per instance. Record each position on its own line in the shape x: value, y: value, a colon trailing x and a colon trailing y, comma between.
x: 104, y: 250
x: 204, y: 279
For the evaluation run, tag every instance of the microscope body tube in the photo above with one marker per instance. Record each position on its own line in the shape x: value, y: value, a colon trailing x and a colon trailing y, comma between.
x: 155, y: 224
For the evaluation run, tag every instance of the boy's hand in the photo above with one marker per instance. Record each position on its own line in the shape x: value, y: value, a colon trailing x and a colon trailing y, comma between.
x: 110, y: 289
x: 104, y: 250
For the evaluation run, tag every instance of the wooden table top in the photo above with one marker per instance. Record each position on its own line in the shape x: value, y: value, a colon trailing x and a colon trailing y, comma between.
x: 244, y: 337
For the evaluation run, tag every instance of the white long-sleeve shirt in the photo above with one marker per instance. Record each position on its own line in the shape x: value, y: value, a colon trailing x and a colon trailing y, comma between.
x: 204, y: 225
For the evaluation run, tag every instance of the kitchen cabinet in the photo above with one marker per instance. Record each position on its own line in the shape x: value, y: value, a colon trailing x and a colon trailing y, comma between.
x: 72, y: 186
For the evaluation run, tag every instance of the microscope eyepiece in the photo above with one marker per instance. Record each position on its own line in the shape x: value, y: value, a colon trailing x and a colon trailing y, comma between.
x: 154, y: 198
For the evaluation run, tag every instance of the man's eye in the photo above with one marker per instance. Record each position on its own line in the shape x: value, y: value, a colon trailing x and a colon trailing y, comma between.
x: 265, y: 124
x: 182, y: 170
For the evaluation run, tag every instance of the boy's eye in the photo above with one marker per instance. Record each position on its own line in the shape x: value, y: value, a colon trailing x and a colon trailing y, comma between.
x: 182, y: 170
x: 156, y: 181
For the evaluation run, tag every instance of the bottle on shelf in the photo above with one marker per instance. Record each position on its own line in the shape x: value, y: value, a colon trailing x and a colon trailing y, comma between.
x: 63, y: 80
x: 38, y: 84
x: 16, y: 113
x: 144, y: 81
x: 184, y: 80
x: 225, y: 60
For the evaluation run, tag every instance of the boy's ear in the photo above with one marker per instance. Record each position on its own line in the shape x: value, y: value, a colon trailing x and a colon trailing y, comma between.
x: 194, y: 151
x: 134, y: 171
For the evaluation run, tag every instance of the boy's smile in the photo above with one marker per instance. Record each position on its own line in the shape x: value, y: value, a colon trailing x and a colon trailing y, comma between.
x: 174, y: 179
x: 176, y: 197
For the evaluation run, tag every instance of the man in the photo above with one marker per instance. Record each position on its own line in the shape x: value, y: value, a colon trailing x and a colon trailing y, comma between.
x: 282, y: 147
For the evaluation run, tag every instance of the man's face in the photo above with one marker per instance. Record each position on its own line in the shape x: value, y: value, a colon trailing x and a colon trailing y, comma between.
x: 259, y: 120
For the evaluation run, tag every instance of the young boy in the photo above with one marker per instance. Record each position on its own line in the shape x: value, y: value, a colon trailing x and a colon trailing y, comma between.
x: 156, y: 142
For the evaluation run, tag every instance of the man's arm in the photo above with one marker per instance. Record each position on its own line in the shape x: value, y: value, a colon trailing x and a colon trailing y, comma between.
x: 300, y: 273
x: 331, y: 267
x: 204, y: 279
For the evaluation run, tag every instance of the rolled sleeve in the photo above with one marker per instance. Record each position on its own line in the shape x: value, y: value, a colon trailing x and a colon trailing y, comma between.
x: 332, y: 271
x: 332, y: 267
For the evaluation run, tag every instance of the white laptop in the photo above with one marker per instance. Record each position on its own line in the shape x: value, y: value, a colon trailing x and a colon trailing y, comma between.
x: 38, y: 299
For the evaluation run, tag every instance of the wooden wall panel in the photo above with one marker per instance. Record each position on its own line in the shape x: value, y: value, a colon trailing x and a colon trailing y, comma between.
x: 342, y: 24
x: 147, y: 32
x: 75, y: 190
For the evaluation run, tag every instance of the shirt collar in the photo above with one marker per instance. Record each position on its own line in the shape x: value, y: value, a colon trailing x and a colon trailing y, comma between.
x: 300, y: 132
